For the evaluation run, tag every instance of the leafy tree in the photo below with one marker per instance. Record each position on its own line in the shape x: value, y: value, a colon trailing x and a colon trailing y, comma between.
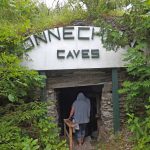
x: 122, y: 26
x: 16, y: 81
x: 19, y: 19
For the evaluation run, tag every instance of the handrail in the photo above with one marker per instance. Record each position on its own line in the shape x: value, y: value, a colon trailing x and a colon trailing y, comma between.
x: 71, y: 125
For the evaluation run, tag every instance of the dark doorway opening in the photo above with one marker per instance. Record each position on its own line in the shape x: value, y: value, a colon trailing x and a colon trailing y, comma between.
x: 66, y: 96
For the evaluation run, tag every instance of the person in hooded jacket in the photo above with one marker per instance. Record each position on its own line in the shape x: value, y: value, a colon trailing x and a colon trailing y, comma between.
x: 81, y: 113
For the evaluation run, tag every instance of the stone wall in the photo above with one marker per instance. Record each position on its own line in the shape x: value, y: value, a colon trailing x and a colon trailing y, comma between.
x: 52, y: 103
x: 78, y: 78
x: 106, y: 108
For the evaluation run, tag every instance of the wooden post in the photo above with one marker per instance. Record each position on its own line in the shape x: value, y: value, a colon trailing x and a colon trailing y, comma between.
x: 70, y: 138
x: 71, y: 125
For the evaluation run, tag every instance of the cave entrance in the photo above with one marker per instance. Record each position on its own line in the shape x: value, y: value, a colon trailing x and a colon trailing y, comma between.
x: 66, y: 96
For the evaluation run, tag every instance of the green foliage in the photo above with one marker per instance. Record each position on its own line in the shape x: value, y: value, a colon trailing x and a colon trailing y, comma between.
x: 131, y: 28
x: 27, y: 127
x: 9, y: 136
x: 17, y: 20
x: 14, y: 21
x: 47, y: 141
x: 141, y: 129
x: 138, y: 96
x: 60, y: 16
x: 21, y: 18
x: 16, y: 80
x: 138, y: 87
x: 30, y: 144
x: 120, y: 29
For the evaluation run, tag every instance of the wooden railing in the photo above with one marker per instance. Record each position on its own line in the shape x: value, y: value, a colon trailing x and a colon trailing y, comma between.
x: 69, y: 135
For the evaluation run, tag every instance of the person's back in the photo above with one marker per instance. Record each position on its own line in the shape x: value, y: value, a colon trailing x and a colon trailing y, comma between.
x: 82, y: 109
x: 81, y: 113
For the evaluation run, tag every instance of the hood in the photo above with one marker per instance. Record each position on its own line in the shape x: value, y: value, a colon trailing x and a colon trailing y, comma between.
x: 81, y: 97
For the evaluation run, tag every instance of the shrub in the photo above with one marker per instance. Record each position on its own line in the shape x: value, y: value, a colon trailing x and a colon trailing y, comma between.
x: 27, y: 127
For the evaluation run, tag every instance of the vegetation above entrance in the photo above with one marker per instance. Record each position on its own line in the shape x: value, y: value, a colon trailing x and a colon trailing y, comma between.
x: 126, y: 22
x: 130, y: 27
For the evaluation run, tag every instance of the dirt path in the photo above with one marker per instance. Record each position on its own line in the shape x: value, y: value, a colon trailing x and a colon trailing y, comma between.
x: 86, y: 146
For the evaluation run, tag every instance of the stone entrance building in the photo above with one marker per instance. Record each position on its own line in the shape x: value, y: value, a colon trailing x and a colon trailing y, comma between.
x: 62, y: 88
x: 74, y: 60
